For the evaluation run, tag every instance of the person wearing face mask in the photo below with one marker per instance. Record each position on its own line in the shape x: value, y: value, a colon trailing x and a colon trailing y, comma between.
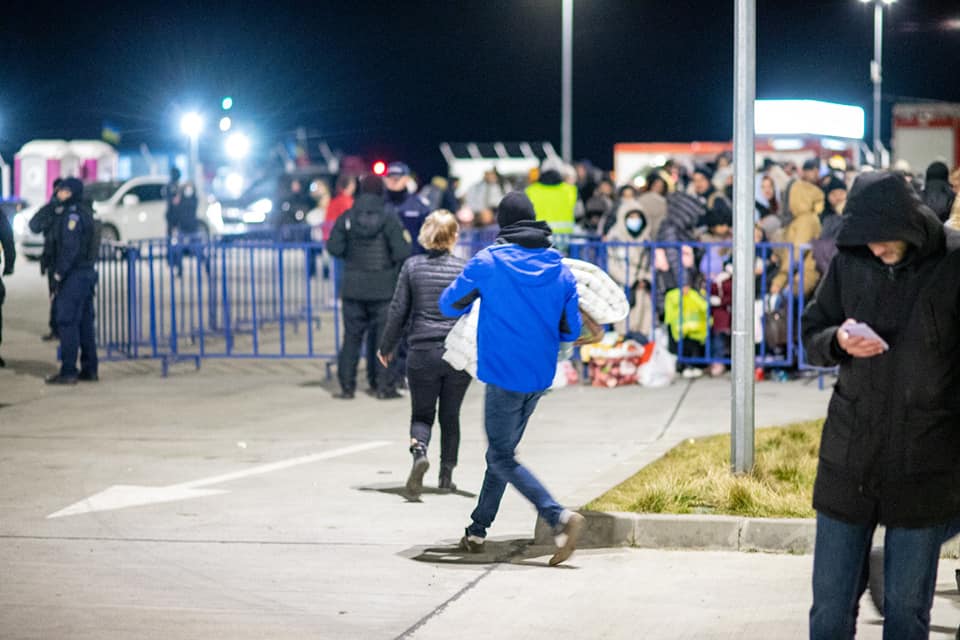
x: 628, y: 262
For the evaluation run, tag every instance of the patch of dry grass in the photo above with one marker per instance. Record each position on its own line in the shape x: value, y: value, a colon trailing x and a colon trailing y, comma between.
x: 695, y: 477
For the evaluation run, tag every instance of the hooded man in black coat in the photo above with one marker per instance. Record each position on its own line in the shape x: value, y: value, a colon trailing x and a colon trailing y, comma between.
x: 372, y: 244
x: 937, y: 192
x: 890, y: 452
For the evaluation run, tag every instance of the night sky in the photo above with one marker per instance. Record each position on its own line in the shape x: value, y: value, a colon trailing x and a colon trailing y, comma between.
x: 393, y: 80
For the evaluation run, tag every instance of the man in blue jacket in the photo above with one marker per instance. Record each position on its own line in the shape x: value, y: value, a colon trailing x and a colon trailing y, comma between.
x: 529, y: 305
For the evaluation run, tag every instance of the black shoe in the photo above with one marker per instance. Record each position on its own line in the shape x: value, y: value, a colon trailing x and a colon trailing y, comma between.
x: 59, y: 379
x: 3, y: 363
x: 344, y: 395
x: 392, y: 394
x: 371, y: 391
x: 446, y: 480
x: 50, y: 337
x: 417, y: 471
x: 875, y: 579
x: 472, y: 544
x: 88, y: 377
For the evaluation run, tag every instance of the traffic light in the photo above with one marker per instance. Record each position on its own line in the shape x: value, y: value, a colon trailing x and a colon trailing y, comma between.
x: 379, y: 167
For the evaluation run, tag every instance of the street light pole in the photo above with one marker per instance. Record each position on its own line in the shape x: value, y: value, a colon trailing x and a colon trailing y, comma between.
x: 744, y: 163
x: 876, y: 74
x: 566, y: 106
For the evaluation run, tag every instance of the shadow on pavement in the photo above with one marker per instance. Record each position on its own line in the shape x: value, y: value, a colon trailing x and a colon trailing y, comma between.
x: 401, y: 490
x: 516, y: 552
x: 34, y: 368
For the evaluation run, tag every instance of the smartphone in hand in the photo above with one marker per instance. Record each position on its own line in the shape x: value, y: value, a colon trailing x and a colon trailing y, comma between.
x: 863, y: 330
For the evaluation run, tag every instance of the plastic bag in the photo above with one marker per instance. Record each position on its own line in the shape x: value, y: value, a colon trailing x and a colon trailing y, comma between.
x: 661, y: 368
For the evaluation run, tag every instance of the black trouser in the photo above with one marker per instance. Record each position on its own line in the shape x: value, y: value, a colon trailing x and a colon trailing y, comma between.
x: 3, y: 295
x: 363, y: 317
x: 433, y: 382
x: 52, y: 289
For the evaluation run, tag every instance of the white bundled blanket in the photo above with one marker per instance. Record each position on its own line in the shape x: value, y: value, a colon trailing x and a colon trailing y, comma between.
x: 600, y: 297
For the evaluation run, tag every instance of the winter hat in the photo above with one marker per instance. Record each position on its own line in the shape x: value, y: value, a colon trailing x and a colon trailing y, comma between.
x: 720, y: 213
x: 811, y: 164
x: 515, y: 207
x: 74, y: 186
x: 937, y: 171
x: 833, y: 182
x: 596, y: 204
x: 396, y: 169
x: 372, y: 185
x: 704, y: 171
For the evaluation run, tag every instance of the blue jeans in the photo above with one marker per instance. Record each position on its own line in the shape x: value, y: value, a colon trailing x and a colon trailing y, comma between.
x: 505, y: 418
x: 840, y: 569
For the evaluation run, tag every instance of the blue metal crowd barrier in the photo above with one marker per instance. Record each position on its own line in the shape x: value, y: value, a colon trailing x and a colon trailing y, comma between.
x: 238, y: 297
x: 198, y: 299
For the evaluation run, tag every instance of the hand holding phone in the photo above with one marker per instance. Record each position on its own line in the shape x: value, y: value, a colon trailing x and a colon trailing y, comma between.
x: 860, y: 340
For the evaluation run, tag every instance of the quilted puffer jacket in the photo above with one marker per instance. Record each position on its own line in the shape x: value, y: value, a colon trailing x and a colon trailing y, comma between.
x: 415, y: 305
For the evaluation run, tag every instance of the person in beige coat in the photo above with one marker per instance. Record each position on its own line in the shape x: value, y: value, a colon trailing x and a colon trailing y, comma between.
x: 629, y: 265
x: 806, y: 203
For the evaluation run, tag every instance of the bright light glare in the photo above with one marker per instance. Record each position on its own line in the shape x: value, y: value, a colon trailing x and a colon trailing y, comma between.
x: 191, y: 124
x: 379, y: 167
x: 237, y: 146
x: 808, y: 117
x: 225, y: 123
x: 234, y: 184
x: 257, y: 212
x: 227, y: 103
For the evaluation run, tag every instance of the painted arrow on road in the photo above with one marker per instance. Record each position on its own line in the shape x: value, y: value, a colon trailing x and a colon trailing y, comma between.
x: 123, y: 495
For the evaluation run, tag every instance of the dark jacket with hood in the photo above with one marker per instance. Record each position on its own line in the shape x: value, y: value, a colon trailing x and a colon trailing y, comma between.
x: 415, y: 304
x: 530, y: 304
x: 937, y: 192
x: 372, y: 244
x: 890, y: 451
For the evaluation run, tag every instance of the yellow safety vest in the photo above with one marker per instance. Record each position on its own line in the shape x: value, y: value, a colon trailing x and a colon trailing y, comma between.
x: 554, y: 204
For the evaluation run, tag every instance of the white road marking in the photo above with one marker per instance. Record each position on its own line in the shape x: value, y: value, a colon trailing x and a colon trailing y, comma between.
x: 123, y: 495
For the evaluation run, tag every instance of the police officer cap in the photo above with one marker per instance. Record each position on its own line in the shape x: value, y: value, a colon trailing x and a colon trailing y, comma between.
x: 396, y: 169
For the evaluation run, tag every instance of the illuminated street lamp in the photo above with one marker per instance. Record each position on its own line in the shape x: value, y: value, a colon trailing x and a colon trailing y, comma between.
x: 237, y: 146
x: 225, y: 123
x: 191, y: 124
x: 876, y: 71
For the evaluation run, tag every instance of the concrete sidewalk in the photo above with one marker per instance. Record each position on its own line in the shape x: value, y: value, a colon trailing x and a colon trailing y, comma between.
x: 283, y: 518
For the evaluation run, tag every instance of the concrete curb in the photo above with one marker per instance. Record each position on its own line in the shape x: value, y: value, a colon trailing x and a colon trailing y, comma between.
x: 703, y: 532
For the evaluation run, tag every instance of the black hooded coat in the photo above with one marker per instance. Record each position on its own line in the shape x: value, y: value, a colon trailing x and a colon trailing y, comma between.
x: 890, y: 451
x: 373, y: 245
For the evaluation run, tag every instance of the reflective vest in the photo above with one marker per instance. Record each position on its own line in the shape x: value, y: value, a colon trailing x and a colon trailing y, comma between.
x: 554, y: 204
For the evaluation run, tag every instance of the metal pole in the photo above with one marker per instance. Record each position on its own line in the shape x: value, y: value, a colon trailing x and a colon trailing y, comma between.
x: 194, y: 161
x: 744, y: 162
x: 876, y: 73
x: 566, y: 116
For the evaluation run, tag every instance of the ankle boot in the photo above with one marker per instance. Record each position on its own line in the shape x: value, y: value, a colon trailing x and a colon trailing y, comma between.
x: 446, y: 479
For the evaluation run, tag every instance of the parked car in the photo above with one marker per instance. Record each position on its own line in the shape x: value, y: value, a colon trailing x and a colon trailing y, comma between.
x: 262, y: 209
x: 131, y: 210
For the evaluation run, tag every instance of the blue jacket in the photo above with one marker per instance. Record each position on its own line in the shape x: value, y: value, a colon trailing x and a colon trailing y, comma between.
x: 529, y: 305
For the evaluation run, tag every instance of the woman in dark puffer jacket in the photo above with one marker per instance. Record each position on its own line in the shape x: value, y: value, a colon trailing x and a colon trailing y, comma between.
x: 433, y: 383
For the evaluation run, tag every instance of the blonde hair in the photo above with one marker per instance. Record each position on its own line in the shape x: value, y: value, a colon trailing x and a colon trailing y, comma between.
x: 439, y: 231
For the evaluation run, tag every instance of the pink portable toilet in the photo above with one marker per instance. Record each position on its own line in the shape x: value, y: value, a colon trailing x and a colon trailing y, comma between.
x: 37, y: 165
x: 96, y: 161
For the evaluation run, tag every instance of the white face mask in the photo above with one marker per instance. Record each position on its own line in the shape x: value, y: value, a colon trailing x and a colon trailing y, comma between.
x: 634, y: 225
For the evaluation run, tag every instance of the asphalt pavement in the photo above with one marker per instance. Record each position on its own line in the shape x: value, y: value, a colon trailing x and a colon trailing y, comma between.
x: 242, y: 501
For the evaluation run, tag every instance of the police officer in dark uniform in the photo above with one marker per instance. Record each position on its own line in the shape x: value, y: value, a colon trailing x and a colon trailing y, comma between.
x: 8, y: 255
x: 76, y: 278
x: 44, y: 222
x: 409, y: 207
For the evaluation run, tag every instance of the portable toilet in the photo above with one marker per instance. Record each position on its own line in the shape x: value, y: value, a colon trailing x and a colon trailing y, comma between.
x: 37, y: 165
x: 96, y: 161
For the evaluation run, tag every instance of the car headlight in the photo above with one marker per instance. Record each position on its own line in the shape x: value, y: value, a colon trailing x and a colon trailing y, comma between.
x: 215, y: 215
x: 19, y: 224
